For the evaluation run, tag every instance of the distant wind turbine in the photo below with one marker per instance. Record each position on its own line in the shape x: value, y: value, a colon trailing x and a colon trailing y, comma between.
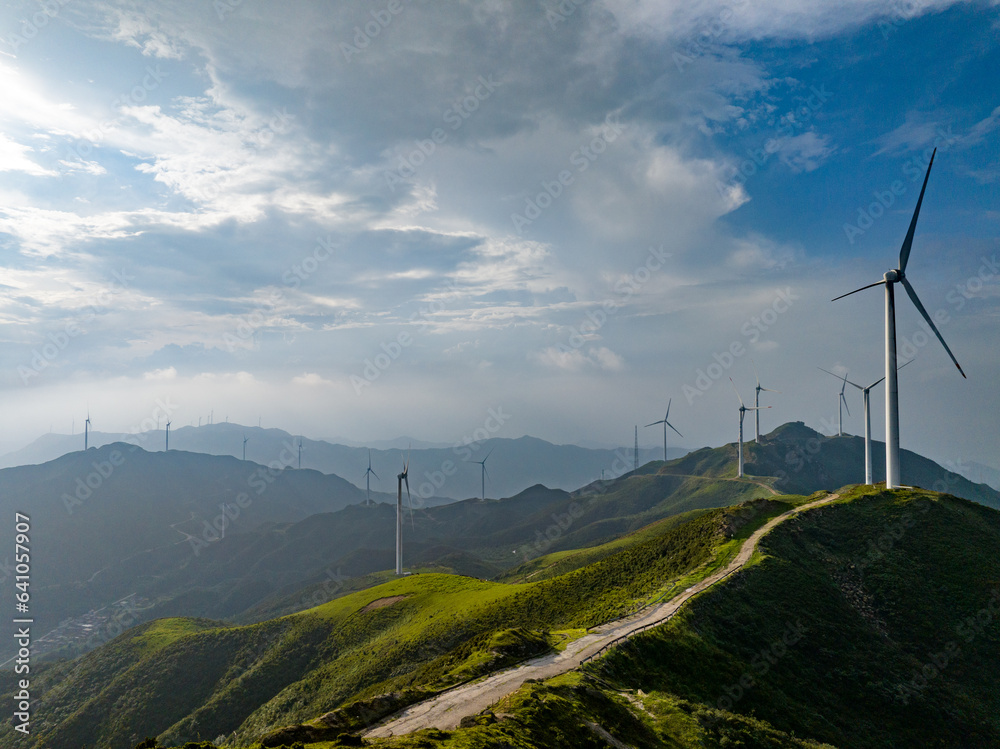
x: 400, y: 479
x: 889, y: 280
x: 86, y: 432
x: 245, y: 439
x: 841, y: 405
x: 743, y: 410
x: 168, y: 438
x: 868, y: 419
x: 665, y: 425
x: 368, y: 474
x: 483, y: 464
x: 300, y: 453
x: 756, y: 403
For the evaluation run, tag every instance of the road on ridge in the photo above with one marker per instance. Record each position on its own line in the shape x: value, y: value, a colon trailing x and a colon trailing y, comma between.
x: 446, y: 710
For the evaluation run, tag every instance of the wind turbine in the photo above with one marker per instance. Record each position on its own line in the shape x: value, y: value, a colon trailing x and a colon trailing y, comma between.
x: 168, y: 438
x: 368, y: 474
x: 300, y: 453
x: 756, y: 403
x: 868, y: 419
x: 665, y: 425
x: 889, y: 280
x: 483, y: 464
x: 841, y: 405
x: 245, y: 440
x: 400, y: 479
x: 86, y: 431
x: 743, y: 410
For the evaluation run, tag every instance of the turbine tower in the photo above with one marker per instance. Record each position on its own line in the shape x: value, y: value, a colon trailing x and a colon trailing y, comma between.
x: 483, y: 464
x: 245, y: 440
x: 400, y: 479
x: 889, y: 280
x: 167, y: 447
x: 86, y: 432
x: 368, y: 486
x: 756, y: 403
x: 743, y: 410
x: 869, y: 476
x: 665, y: 425
x: 300, y: 453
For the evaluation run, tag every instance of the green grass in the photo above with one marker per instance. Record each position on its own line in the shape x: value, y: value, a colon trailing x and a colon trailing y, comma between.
x: 183, y: 678
x: 872, y: 620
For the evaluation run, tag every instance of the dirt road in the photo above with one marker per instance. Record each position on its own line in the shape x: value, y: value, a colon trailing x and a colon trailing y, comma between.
x: 447, y: 709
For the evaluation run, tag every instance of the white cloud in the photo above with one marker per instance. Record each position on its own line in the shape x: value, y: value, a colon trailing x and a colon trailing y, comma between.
x: 14, y: 158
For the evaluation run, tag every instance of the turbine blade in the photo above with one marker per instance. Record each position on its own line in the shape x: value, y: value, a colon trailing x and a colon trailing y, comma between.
x: 845, y: 404
x: 920, y: 308
x: 736, y: 391
x: 409, y: 502
x: 839, y: 378
x: 672, y: 427
x: 869, y: 286
x: 653, y: 424
x: 488, y: 454
x: 904, y: 251
x: 669, y: 401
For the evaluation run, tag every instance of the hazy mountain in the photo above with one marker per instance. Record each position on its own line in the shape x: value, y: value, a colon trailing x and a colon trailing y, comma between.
x: 803, y: 461
x: 102, y: 519
x: 979, y: 473
x: 513, y: 464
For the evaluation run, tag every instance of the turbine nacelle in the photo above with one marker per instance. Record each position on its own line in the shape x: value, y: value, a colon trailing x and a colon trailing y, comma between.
x: 893, y: 276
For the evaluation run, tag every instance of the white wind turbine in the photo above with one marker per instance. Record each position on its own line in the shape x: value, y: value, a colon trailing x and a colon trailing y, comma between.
x: 368, y: 479
x: 889, y: 280
x: 756, y: 403
x: 743, y: 410
x: 400, y: 479
x: 841, y: 405
x: 166, y: 447
x: 245, y: 440
x: 665, y: 425
x: 483, y: 464
x: 869, y: 479
x: 86, y: 431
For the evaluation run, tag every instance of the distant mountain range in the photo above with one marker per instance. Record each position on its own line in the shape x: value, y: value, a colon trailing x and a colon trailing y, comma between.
x: 513, y: 464
x: 184, y: 533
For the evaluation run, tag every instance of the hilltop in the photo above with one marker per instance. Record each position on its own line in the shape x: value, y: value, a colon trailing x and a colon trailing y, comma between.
x: 801, y: 461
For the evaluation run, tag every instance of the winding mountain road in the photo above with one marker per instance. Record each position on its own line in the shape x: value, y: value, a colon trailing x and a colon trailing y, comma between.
x: 446, y: 710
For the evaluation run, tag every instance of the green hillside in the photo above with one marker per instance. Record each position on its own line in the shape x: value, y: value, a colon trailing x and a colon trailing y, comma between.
x: 182, y: 679
x: 871, y: 623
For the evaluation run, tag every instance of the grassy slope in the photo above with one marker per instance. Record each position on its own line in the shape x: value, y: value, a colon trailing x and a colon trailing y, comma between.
x: 188, y: 678
x: 873, y: 619
x: 899, y: 598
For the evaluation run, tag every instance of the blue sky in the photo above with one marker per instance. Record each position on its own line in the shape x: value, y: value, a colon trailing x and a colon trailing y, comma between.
x: 388, y: 218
